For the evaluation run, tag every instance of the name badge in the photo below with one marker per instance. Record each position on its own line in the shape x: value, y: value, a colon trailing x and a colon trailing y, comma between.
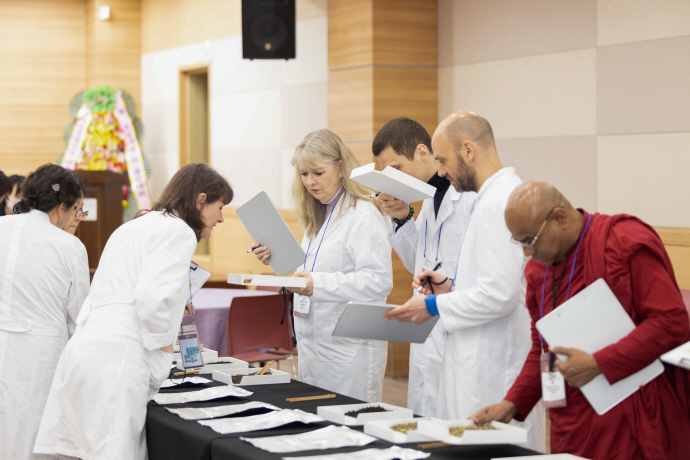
x: 302, y: 305
x: 190, y: 350
x: 552, y: 383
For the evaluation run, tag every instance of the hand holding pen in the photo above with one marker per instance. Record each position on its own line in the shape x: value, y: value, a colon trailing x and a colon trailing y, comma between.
x: 442, y: 283
x: 261, y: 252
x: 427, y: 279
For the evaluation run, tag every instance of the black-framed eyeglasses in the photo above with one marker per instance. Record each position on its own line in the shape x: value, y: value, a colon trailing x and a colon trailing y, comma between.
x: 531, y: 245
x: 81, y: 214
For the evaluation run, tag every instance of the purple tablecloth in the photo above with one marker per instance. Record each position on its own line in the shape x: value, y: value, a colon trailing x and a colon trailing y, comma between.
x: 211, y: 308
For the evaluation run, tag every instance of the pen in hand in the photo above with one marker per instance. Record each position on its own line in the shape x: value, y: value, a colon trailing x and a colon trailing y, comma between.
x: 374, y: 195
x: 250, y: 250
x: 428, y: 278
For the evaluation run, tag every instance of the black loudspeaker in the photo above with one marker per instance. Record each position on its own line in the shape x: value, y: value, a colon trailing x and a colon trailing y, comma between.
x: 268, y: 29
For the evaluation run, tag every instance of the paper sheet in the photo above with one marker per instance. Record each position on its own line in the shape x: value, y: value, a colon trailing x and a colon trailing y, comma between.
x: 174, y: 382
x: 206, y: 394
x: 200, y: 413
x: 260, y: 422
x: 331, y: 437
x: 197, y: 277
x: 371, y: 454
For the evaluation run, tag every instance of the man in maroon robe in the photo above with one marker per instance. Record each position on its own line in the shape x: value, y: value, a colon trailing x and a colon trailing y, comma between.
x: 654, y: 422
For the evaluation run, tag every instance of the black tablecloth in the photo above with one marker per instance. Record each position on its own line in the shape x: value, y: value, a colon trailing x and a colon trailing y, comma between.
x: 170, y: 437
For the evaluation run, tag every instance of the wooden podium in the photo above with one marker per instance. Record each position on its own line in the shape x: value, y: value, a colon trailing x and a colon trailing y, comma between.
x: 104, y: 190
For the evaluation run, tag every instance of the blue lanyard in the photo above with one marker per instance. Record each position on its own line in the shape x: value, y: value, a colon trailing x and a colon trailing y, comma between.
x: 438, y: 245
x: 463, y: 240
x: 322, y: 236
x: 570, y: 281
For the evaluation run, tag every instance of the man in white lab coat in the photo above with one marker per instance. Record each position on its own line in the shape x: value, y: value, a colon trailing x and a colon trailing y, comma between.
x: 482, y: 305
x: 405, y: 145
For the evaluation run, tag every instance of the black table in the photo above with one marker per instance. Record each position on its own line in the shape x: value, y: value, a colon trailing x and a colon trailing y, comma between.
x: 170, y: 437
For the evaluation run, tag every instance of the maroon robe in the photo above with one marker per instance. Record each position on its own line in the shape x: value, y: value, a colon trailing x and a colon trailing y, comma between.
x: 653, y: 423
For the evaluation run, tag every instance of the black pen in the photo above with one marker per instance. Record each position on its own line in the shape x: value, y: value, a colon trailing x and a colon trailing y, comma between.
x: 428, y: 278
x: 374, y: 195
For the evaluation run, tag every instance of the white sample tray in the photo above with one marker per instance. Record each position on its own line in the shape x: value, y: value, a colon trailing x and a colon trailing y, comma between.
x: 336, y: 414
x: 267, y: 280
x: 503, y: 434
x: 381, y: 429
x: 212, y: 364
x: 276, y: 376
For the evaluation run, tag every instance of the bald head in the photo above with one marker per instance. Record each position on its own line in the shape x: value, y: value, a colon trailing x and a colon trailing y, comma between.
x: 530, y: 208
x: 463, y: 125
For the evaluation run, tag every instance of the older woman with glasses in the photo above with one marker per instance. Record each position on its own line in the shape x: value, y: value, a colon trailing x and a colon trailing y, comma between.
x: 45, y: 279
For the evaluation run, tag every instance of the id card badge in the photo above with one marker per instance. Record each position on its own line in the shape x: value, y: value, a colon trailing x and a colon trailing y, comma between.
x: 190, y: 351
x: 302, y: 305
x: 552, y: 383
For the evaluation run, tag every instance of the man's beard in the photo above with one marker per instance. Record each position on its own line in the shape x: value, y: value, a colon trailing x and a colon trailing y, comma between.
x: 465, y: 178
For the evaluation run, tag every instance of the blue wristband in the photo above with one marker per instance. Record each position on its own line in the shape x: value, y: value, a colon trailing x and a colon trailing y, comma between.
x: 431, y: 306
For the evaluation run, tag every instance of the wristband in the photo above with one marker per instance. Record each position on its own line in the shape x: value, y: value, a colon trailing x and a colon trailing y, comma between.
x: 409, y: 216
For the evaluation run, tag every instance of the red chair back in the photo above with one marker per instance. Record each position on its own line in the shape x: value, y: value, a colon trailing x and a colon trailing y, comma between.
x: 254, y: 322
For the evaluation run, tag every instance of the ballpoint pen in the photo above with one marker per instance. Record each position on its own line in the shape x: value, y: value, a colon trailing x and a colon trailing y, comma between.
x: 427, y: 279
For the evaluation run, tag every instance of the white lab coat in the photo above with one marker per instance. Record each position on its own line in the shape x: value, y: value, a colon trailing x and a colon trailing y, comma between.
x: 410, y: 242
x: 486, y: 318
x: 45, y: 278
x: 113, y: 365
x: 353, y: 264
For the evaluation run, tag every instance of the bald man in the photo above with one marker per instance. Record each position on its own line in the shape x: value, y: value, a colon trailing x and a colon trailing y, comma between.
x: 577, y: 248
x: 482, y: 306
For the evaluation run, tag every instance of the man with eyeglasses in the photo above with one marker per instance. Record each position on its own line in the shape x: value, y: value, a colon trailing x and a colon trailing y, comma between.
x: 577, y: 248
x: 481, y: 305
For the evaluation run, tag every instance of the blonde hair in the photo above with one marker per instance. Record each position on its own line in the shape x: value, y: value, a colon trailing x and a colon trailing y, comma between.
x: 316, y: 147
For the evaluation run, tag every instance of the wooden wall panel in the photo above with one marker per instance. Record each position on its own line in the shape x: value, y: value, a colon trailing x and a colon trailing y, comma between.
x: 362, y: 153
x: 26, y: 129
x: 350, y: 104
x: 42, y: 28
x: 350, y: 33
x: 677, y: 242
x: 410, y: 92
x: 405, y: 32
x: 40, y: 81
x: 113, y: 47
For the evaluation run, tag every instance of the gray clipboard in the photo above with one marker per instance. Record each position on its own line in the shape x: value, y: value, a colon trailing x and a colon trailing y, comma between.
x: 366, y: 321
x: 589, y: 321
x: 265, y: 225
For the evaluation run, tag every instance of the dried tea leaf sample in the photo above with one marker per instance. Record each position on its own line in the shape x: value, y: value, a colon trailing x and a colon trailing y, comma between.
x: 364, y: 410
x: 404, y: 428
x: 238, y: 377
x: 459, y: 430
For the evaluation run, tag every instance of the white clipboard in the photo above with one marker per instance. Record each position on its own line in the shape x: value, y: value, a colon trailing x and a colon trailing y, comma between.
x: 197, y: 277
x: 679, y: 356
x: 265, y: 225
x: 590, y: 321
x: 393, y: 182
x: 366, y: 321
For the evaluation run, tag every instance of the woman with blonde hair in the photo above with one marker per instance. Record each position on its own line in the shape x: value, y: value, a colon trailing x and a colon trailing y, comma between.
x: 348, y: 258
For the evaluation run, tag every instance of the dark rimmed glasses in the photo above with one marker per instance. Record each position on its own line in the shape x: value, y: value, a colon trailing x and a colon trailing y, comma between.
x: 532, y: 244
x: 81, y: 214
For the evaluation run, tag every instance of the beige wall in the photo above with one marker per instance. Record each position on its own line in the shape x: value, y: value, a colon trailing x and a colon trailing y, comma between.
x: 49, y: 51
x: 591, y: 95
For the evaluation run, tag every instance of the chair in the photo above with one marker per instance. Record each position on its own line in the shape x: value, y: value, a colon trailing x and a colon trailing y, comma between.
x: 253, y: 324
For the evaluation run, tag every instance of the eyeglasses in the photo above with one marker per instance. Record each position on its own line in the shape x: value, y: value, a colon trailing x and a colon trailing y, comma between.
x: 531, y: 245
x: 81, y: 214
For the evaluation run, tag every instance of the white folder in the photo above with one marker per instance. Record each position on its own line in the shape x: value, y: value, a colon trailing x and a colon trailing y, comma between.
x: 197, y: 277
x: 265, y: 224
x: 366, y: 321
x: 679, y: 356
x: 590, y: 321
x: 393, y: 182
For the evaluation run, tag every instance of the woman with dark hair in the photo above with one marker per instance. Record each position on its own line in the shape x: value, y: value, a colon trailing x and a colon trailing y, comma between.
x: 45, y: 278
x: 122, y: 349
x: 13, y: 197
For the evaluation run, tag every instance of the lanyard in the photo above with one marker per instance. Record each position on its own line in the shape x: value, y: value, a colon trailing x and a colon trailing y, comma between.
x: 570, y: 281
x: 438, y: 245
x: 322, y: 236
x: 462, y: 243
